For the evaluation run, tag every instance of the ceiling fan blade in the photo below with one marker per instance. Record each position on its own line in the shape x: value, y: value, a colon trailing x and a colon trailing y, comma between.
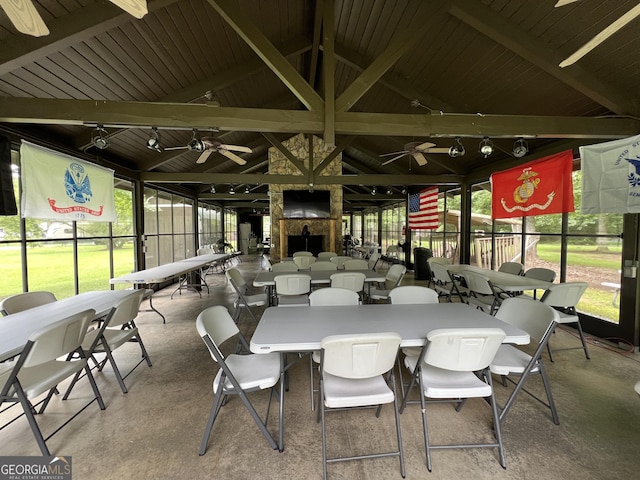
x: 402, y: 154
x: 423, y: 147
x: 233, y: 156
x: 601, y: 37
x: 437, y: 150
x: 562, y: 3
x: 25, y: 17
x: 393, y: 153
x: 137, y: 8
x: 235, y: 148
x: 185, y: 147
x: 204, y: 155
x: 420, y: 158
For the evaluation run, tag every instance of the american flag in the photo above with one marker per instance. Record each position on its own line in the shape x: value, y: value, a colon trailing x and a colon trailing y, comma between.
x: 423, y: 209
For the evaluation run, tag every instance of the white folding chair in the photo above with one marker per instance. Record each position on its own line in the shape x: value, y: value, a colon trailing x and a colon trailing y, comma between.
x: 564, y: 297
x: 327, y: 296
x: 23, y: 301
x: 118, y: 329
x: 482, y: 293
x: 303, y: 262
x: 326, y: 256
x: 539, y: 321
x: 394, y: 276
x: 238, y: 374
x: 445, y: 284
x: 284, y: 267
x: 292, y: 289
x: 245, y: 299
x: 454, y: 365
x: 514, y: 268
x: 356, y: 264
x: 374, y: 258
x: 439, y: 260
x: 351, y: 280
x: 302, y: 254
x: 339, y: 260
x: 323, y: 266
x: 539, y: 273
x: 40, y: 369
x: 352, y: 374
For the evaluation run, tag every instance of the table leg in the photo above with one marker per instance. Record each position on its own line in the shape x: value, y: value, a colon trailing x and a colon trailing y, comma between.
x: 281, y: 411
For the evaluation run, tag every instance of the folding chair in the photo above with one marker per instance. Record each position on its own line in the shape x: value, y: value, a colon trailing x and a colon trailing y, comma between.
x: 238, y: 374
x: 117, y: 329
x: 356, y: 264
x: 23, y: 301
x: 351, y: 280
x: 39, y: 369
x: 352, y: 374
x: 326, y: 256
x: 392, y: 279
x: 452, y: 367
x: 514, y: 268
x: 303, y: 262
x: 482, y: 293
x: 445, y: 284
x: 292, y: 289
x: 245, y: 298
x: 539, y: 321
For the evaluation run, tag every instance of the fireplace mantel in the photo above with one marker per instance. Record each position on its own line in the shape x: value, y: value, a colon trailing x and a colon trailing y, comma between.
x: 317, y: 226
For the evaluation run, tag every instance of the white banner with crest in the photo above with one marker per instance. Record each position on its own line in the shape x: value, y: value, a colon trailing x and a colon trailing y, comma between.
x: 60, y: 187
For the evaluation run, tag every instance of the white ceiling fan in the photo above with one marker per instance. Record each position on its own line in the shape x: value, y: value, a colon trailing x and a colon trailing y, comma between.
x: 26, y: 19
x: 600, y: 37
x: 417, y: 150
x: 208, y: 145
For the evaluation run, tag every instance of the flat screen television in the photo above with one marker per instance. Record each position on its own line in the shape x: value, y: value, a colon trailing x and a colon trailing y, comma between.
x: 305, y: 204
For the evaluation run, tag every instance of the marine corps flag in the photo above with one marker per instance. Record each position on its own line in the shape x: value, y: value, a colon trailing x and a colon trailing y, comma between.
x: 540, y: 187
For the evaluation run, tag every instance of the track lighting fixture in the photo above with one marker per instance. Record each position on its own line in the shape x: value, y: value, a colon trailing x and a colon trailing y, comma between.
x: 373, y: 191
x: 404, y: 190
x: 154, y: 140
x: 486, y: 147
x: 99, y: 138
x: 246, y: 189
x: 457, y: 150
x: 195, y: 143
x: 389, y: 192
x: 520, y: 148
x: 232, y: 191
x: 213, y: 189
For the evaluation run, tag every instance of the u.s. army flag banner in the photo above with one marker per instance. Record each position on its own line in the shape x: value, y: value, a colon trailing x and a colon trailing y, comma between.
x: 611, y: 176
x: 60, y: 187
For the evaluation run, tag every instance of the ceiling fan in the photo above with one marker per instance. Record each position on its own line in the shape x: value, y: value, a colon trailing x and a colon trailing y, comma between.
x: 208, y: 145
x: 26, y: 19
x: 417, y: 151
x: 600, y: 37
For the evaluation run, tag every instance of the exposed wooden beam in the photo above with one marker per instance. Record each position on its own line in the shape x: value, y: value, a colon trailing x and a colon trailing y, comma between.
x: 329, y: 73
x: 334, y: 153
x: 315, y: 46
x: 80, y: 24
x: 297, y: 162
x: 171, y: 115
x: 235, y: 17
x: 486, y: 21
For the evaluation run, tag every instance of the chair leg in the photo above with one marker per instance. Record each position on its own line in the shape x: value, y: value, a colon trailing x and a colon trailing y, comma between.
x: 547, y: 389
x: 397, y: 417
x: 215, y: 408
x: 496, y: 419
x: 583, y: 340
x: 324, y: 430
x: 425, y: 428
x: 311, y: 389
x: 28, y: 412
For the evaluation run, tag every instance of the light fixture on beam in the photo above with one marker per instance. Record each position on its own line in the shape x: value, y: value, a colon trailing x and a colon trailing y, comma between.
x: 373, y: 191
x: 457, y: 150
x: 213, y: 189
x: 486, y: 147
x: 520, y: 148
x: 232, y: 191
x: 99, y: 138
x: 246, y: 190
x: 154, y: 140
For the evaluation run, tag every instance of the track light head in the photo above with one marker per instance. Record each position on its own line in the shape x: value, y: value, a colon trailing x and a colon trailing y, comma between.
x: 246, y: 190
x: 154, y: 140
x: 486, y: 147
x: 373, y: 191
x: 520, y: 148
x: 99, y: 138
x: 232, y: 191
x: 457, y: 150
x: 213, y: 189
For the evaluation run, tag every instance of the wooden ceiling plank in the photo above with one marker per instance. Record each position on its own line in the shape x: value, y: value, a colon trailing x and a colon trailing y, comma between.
x: 500, y: 30
x: 98, y: 17
x: 261, y: 45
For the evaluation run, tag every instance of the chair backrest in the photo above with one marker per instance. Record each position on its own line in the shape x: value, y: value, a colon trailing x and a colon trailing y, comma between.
x: 293, y: 284
x: 302, y: 254
x: 529, y: 315
x: 125, y: 309
x: 394, y: 276
x: 332, y: 296
x: 439, y: 260
x: 413, y: 294
x: 204, y: 251
x: 304, y: 261
x: 392, y: 251
x: 360, y: 356
x: 351, y: 280
x: 57, y: 339
x: 564, y: 295
x: 356, y: 264
x: 216, y: 323
x: 340, y: 259
x: 440, y: 273
x: 514, y: 268
x: 323, y: 266
x: 326, y: 256
x: 373, y: 260
x: 539, y: 273
x: 237, y: 280
x: 284, y: 267
x: 463, y: 349
x: 24, y: 301
x: 477, y: 283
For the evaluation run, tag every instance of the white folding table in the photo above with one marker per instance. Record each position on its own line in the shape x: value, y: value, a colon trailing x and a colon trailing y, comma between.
x: 16, y: 328
x: 301, y: 329
x: 505, y: 281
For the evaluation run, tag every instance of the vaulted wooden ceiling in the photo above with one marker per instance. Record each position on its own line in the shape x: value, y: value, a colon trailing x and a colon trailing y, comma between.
x: 368, y: 76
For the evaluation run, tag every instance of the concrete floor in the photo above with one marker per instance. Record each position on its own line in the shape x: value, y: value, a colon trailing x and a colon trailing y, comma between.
x: 154, y: 431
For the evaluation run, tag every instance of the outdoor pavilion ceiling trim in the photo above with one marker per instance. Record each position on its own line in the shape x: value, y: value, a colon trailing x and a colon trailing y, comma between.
x: 71, y: 29
x: 276, y: 61
x: 486, y: 21
x: 255, y: 178
x: 188, y: 116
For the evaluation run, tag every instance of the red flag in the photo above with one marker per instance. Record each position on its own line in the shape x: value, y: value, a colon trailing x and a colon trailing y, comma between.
x: 423, y: 209
x: 540, y: 187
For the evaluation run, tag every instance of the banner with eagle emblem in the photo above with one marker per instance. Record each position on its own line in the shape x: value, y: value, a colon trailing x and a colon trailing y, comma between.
x: 540, y: 187
x: 611, y: 176
x: 60, y: 187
